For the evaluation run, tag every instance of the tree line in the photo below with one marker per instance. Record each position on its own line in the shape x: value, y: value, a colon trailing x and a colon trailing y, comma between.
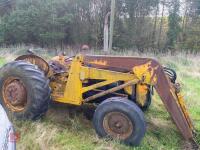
x: 157, y: 25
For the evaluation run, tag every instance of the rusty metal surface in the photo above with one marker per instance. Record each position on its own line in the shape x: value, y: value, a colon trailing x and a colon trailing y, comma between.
x: 14, y: 94
x: 57, y: 84
x: 115, y: 93
x: 163, y: 86
x: 59, y: 64
x: 57, y: 67
x: 118, y: 125
x: 124, y: 64
x: 36, y: 60
x: 110, y: 91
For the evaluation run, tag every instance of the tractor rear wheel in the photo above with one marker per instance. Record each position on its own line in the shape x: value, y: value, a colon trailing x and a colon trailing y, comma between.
x: 121, y: 119
x: 24, y: 90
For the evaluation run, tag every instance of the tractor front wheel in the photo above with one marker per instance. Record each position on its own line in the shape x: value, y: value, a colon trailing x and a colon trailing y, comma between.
x: 119, y: 118
x: 24, y: 90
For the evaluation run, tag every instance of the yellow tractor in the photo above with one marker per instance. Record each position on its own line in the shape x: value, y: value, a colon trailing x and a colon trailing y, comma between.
x: 119, y: 87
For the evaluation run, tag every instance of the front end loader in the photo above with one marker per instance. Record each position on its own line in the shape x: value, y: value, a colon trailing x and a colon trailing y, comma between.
x: 119, y: 87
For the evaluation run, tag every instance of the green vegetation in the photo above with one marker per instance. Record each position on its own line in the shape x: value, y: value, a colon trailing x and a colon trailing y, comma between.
x: 65, y: 127
x: 145, y: 25
x: 2, y: 61
x: 174, y: 24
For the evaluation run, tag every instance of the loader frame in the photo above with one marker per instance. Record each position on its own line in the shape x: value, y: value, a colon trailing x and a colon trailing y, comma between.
x: 79, y: 73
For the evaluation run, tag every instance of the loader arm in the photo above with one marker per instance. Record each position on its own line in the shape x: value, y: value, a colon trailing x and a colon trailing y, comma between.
x: 149, y: 71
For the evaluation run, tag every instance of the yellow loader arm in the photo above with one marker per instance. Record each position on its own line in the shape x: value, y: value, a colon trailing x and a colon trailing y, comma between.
x: 151, y: 72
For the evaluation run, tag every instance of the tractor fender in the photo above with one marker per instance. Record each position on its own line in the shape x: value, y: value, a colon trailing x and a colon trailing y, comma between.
x: 36, y: 60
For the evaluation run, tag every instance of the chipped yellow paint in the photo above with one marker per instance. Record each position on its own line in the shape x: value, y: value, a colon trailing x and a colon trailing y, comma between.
x: 184, y: 109
x: 141, y: 94
x: 78, y: 74
x: 72, y: 92
x: 146, y: 73
x: 60, y: 59
x: 99, y: 62
x: 140, y: 90
x: 180, y: 101
x: 129, y: 90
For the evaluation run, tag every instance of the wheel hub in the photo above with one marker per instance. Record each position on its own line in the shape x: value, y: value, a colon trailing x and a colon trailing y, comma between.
x: 118, y: 125
x: 14, y: 94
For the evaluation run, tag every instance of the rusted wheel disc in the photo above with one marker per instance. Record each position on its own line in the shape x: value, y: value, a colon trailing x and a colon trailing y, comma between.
x: 25, y: 92
x: 121, y: 119
x: 118, y: 125
x: 14, y: 94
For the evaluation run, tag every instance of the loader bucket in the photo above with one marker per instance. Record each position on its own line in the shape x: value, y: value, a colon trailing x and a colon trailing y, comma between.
x: 166, y: 90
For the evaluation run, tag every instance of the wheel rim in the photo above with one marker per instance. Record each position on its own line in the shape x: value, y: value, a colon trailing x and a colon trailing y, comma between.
x: 14, y: 94
x: 118, y: 125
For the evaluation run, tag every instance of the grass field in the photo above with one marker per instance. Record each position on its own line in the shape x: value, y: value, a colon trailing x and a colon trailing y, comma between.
x: 66, y: 128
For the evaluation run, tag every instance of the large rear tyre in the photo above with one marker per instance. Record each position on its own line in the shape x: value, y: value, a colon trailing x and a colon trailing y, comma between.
x: 119, y: 118
x: 24, y: 90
